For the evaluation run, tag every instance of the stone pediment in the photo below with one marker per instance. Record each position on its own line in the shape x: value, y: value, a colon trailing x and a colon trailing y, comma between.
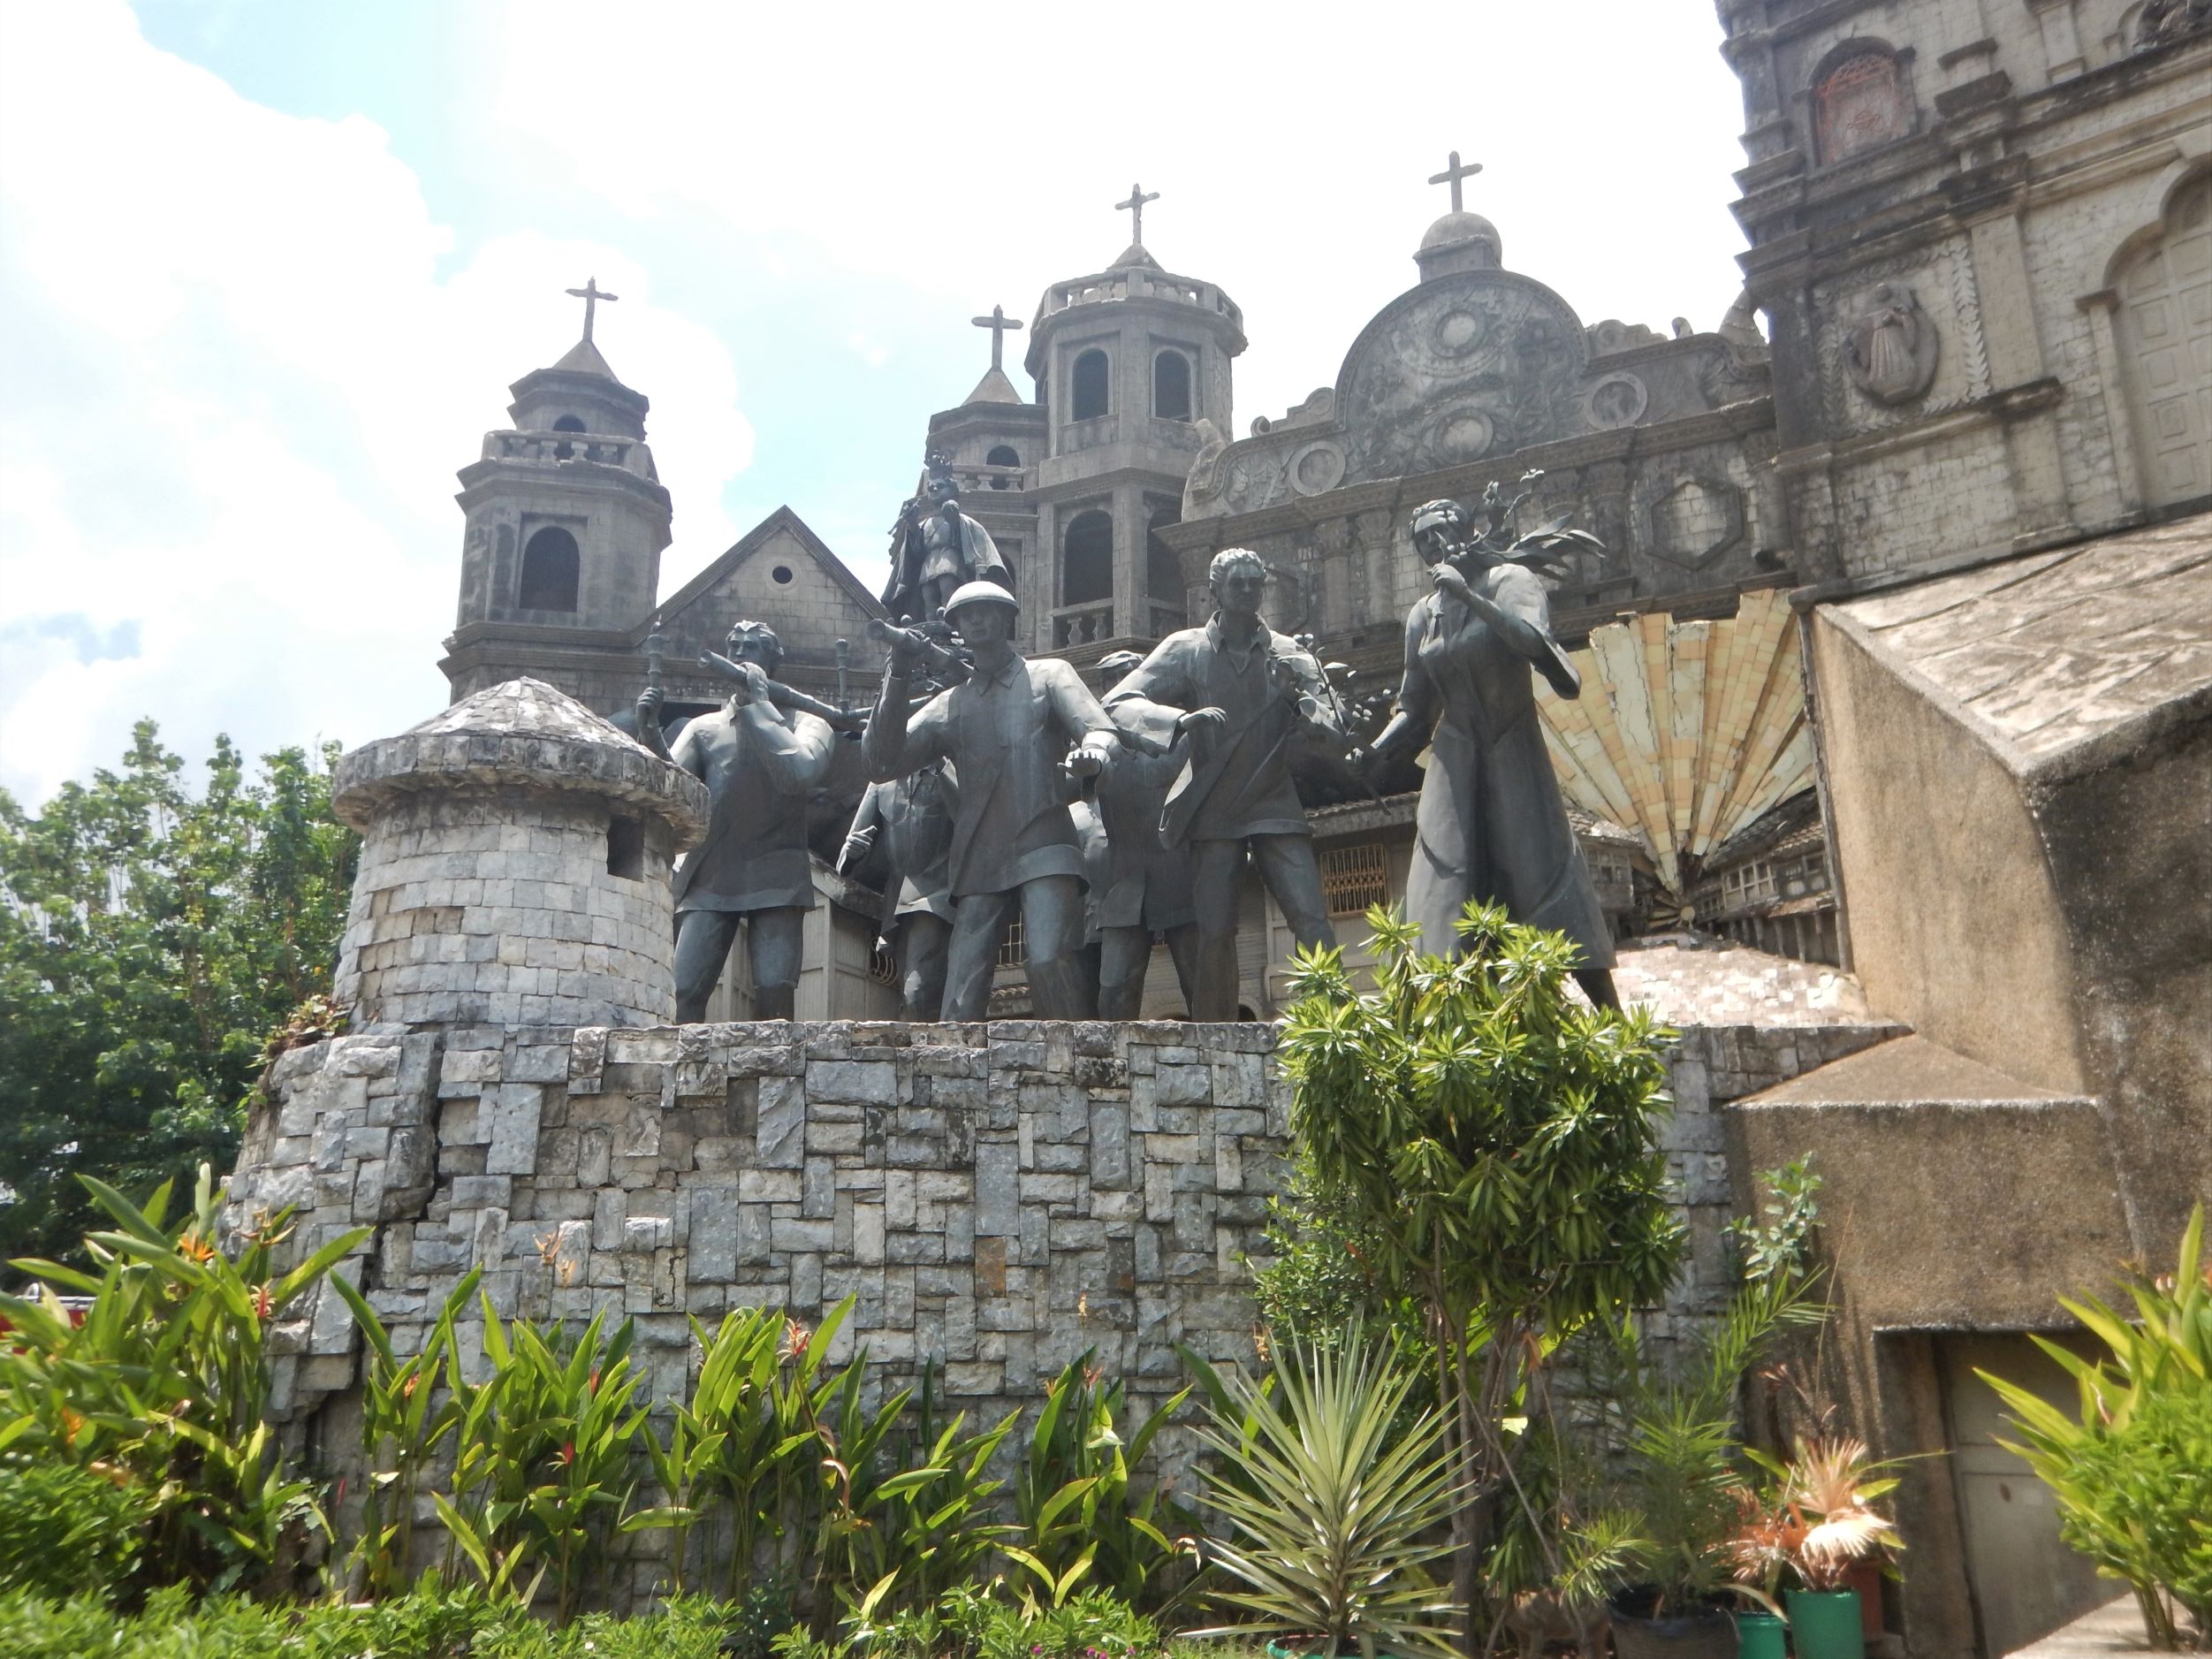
x: 1483, y: 362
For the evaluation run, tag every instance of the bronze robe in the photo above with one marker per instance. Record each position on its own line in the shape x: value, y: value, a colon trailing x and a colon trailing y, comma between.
x: 759, y: 764
x: 1491, y: 823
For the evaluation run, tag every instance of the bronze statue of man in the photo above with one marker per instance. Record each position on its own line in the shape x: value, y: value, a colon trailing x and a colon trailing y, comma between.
x: 759, y: 762
x: 1242, y: 694
x: 1490, y: 825
x: 1008, y: 732
x: 936, y: 548
x: 911, y: 820
x: 1143, y: 892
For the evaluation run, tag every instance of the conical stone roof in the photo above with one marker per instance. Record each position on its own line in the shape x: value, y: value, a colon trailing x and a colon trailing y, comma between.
x: 520, y: 733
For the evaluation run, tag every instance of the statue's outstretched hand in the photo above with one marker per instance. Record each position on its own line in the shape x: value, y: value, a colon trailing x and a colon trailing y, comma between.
x: 1201, y: 723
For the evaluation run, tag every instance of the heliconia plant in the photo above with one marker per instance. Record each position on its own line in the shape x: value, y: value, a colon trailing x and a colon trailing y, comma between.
x: 163, y: 1379
x: 405, y: 1416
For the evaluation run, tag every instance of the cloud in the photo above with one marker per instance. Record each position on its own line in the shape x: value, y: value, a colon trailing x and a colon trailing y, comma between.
x: 974, y: 154
x: 237, y: 390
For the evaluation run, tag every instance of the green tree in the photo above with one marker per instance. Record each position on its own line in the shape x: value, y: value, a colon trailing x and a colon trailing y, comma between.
x: 150, y: 940
x: 1494, y: 1145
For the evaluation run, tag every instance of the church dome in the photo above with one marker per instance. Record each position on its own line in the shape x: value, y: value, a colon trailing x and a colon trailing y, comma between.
x: 1456, y: 232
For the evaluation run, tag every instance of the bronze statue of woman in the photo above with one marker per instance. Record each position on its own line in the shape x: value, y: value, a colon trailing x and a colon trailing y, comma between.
x: 1491, y: 824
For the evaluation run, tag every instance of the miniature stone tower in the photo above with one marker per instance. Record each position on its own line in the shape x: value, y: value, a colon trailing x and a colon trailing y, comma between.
x: 515, y: 851
x: 566, y: 520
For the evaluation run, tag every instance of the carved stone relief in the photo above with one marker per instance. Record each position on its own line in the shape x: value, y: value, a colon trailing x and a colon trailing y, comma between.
x: 1487, y: 363
x: 1889, y: 348
x: 1689, y: 520
x: 1616, y: 400
x: 1316, y: 468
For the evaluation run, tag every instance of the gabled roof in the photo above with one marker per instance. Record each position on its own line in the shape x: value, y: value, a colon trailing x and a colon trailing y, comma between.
x: 745, y: 545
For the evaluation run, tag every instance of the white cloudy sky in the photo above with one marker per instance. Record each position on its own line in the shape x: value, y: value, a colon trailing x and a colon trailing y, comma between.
x: 267, y: 267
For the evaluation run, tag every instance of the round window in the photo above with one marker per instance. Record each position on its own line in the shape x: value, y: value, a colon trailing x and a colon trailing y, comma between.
x: 781, y: 573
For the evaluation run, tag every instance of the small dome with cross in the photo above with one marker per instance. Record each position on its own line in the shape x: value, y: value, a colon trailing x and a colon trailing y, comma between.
x: 1465, y: 234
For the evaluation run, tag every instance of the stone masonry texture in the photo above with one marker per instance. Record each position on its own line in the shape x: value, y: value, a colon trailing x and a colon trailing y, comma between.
x: 998, y: 1199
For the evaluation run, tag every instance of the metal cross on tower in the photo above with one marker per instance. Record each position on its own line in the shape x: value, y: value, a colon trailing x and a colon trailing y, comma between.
x: 1134, y: 208
x: 590, y: 294
x: 1452, y: 174
x: 998, y: 323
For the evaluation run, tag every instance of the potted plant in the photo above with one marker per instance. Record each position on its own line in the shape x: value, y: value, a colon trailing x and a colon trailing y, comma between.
x: 1815, y: 1526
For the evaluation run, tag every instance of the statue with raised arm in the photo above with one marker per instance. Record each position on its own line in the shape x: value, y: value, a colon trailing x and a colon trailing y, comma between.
x: 1142, y: 892
x: 936, y: 549
x: 1240, y: 695
x: 910, y: 820
x: 759, y: 761
x: 1490, y: 825
x: 1016, y: 733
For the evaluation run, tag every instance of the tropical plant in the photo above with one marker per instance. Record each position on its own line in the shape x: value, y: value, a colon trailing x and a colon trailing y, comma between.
x: 149, y: 940
x: 1075, y: 1506
x: 162, y: 1379
x: 1334, y: 1520
x: 1817, y: 1519
x: 909, y: 1501
x: 1667, y: 1423
x: 70, y: 1529
x: 1780, y: 1246
x: 2090, y: 1459
x: 545, y: 1454
x: 1496, y: 1144
x: 405, y: 1416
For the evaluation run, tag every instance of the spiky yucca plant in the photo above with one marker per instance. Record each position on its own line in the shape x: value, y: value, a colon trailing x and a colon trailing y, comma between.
x: 1335, y: 1519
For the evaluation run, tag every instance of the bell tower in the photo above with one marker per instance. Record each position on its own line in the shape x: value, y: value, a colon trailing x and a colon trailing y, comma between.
x: 1133, y: 368
x: 565, y: 522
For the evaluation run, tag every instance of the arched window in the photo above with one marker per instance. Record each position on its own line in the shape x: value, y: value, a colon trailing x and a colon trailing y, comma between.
x: 550, y: 567
x: 1163, y: 570
x: 567, y: 423
x: 1171, y: 386
x: 1090, y: 387
x: 1086, y: 559
x: 1859, y: 104
x: 1002, y: 455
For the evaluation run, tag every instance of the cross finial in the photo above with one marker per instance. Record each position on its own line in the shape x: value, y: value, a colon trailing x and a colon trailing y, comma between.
x: 591, y: 293
x: 1134, y: 208
x: 998, y: 323
x: 1452, y: 174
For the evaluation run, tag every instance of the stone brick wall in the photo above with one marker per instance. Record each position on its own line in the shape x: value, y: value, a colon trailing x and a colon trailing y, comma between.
x: 997, y: 1197
x: 500, y: 904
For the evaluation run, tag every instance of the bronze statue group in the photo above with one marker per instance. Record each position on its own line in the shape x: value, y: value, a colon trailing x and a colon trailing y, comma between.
x: 1001, y: 788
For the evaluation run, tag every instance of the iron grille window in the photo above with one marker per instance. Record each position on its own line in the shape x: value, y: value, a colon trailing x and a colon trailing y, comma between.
x: 1354, y: 879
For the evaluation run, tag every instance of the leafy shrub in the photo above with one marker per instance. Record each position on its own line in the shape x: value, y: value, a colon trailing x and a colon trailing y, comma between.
x: 66, y: 1530
x: 2158, y: 1366
x: 431, y: 1622
x: 163, y: 1381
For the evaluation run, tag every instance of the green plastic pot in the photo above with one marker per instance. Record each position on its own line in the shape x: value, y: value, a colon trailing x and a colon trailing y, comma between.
x: 1761, y: 1636
x: 1825, y: 1623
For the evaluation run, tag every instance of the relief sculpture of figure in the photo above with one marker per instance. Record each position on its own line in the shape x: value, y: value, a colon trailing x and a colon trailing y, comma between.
x: 1008, y: 733
x: 936, y: 548
x: 1490, y: 825
x: 1240, y: 695
x: 759, y: 761
x: 1144, y: 891
x: 912, y: 816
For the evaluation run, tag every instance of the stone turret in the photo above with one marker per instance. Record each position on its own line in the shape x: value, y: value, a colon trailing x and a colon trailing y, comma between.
x: 515, y: 851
